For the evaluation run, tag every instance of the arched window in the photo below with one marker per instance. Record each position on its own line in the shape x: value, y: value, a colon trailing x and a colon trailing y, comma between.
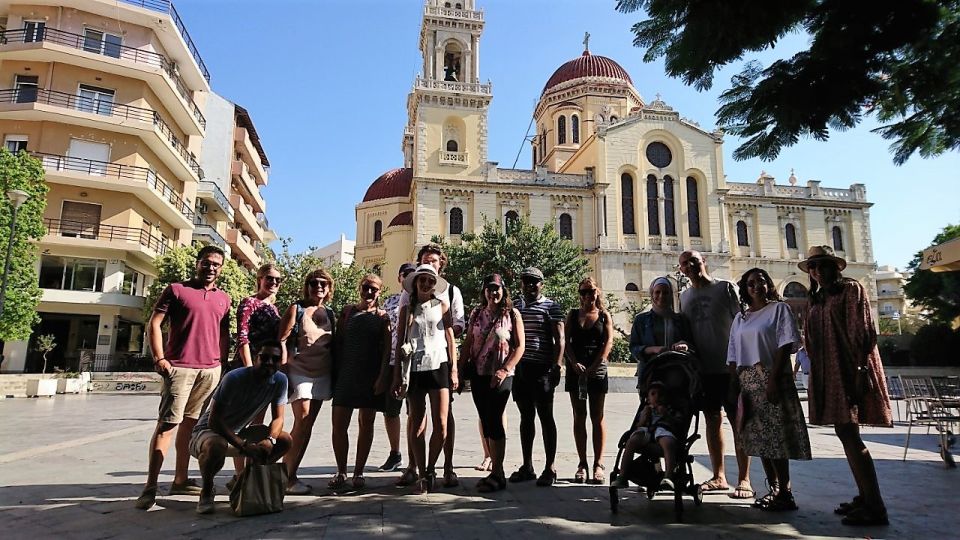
x: 794, y: 290
x: 446, y: 4
x: 543, y: 143
x: 456, y: 221
x: 534, y: 156
x: 791, y: 233
x: 566, y: 226
x: 452, y: 146
x: 632, y: 287
x: 653, y: 209
x: 626, y: 203
x: 613, y: 118
x: 693, y: 207
x: 510, y: 219
x: 575, y: 128
x: 377, y: 230
x: 669, y: 223
x: 562, y: 130
x: 837, y: 239
x: 459, y: 5
x: 742, y: 234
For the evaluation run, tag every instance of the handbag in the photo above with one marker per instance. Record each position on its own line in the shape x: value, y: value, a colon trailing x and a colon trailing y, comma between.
x: 259, y: 490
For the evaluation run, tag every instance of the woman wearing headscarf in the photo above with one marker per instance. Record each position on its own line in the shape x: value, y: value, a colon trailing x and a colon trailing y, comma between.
x: 658, y: 330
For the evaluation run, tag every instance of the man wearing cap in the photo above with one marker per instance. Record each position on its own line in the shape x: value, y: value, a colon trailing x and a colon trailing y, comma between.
x: 538, y: 374
x: 710, y: 306
x: 391, y: 411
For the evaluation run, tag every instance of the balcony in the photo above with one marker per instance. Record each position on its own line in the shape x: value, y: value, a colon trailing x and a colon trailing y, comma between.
x: 239, y: 169
x: 890, y: 294
x: 211, y: 191
x: 92, y: 298
x: 246, y: 217
x: 166, y: 6
x: 101, y: 235
x: 457, y: 159
x: 468, y: 14
x: 31, y: 103
x: 242, y: 247
x: 206, y: 234
x: 453, y: 86
x: 242, y: 138
x: 51, y: 44
x: 143, y: 182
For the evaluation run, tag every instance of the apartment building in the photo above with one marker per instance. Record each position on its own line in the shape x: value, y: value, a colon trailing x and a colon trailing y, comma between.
x: 109, y: 95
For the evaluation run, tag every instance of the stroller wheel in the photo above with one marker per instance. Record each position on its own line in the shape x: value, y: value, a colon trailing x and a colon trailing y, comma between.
x: 614, y: 500
x: 698, y: 495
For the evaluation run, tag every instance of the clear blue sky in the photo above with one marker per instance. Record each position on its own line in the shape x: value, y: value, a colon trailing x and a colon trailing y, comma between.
x: 326, y: 83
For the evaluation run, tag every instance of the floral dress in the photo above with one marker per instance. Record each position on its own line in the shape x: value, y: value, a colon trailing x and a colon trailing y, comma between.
x: 257, y: 322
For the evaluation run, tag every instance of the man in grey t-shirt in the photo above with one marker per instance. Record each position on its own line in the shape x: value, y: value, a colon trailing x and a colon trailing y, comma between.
x: 710, y: 306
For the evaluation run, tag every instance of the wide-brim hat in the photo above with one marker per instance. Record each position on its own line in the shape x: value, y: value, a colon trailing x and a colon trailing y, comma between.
x: 423, y: 269
x: 821, y: 253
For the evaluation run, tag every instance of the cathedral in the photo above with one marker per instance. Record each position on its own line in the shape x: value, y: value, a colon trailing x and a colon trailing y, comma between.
x: 631, y: 181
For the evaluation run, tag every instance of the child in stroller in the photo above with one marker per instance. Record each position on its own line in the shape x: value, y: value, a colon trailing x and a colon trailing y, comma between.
x: 653, y: 435
x: 660, y: 429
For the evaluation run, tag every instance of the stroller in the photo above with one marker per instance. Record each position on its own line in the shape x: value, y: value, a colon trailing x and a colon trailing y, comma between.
x: 678, y: 372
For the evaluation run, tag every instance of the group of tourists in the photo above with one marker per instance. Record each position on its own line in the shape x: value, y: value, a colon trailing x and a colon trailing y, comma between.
x: 378, y: 356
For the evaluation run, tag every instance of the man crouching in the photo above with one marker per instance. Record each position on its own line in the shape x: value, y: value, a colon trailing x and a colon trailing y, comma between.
x: 223, y: 429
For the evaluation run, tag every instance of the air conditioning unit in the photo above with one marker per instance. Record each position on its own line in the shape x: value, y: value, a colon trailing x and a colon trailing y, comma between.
x: 202, y: 207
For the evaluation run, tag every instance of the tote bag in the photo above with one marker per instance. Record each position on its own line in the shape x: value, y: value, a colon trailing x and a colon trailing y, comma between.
x: 259, y: 490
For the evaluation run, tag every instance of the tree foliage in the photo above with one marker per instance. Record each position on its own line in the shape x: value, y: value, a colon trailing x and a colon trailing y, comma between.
x: 294, y: 267
x: 507, y: 253
x: 21, y: 171
x: 180, y: 263
x: 893, y: 59
x: 938, y: 292
x: 935, y: 345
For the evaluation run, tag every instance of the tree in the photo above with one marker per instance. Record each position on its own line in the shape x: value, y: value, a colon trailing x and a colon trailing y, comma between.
x: 45, y: 344
x: 180, y: 263
x: 295, y: 267
x: 938, y: 292
x: 507, y: 253
x: 893, y: 59
x: 21, y: 171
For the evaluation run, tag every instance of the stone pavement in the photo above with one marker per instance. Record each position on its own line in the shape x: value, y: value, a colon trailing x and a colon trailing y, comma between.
x: 72, y: 466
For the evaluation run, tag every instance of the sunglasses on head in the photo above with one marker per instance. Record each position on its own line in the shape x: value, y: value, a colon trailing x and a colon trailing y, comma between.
x: 273, y: 279
x: 588, y: 292
x: 318, y: 283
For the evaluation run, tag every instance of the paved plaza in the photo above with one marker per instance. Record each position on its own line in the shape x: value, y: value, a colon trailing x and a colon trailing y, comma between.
x: 71, y: 466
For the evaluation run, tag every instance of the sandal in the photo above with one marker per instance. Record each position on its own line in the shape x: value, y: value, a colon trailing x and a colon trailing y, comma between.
x: 359, y: 481
x: 491, y: 484
x: 782, y: 502
x: 598, y: 474
x: 865, y: 516
x: 523, y: 474
x: 485, y: 465
x: 547, y: 478
x: 581, y: 475
x: 847, y: 507
x: 714, y: 484
x: 338, y: 482
x: 408, y: 478
x: 422, y: 487
x: 431, y: 479
x: 450, y: 479
x: 742, y: 491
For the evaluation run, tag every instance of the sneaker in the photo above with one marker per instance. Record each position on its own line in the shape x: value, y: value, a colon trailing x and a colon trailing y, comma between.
x: 206, y: 504
x: 666, y: 485
x: 147, y: 498
x: 621, y: 482
x: 190, y: 487
x: 392, y: 463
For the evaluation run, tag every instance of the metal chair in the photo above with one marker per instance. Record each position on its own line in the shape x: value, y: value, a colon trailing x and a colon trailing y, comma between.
x: 895, y: 391
x: 925, y: 407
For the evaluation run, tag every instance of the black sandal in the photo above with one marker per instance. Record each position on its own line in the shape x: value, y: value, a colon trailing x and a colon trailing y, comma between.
x: 772, y: 491
x: 523, y: 474
x: 491, y: 484
x: 865, y: 516
x: 847, y: 507
x: 782, y: 502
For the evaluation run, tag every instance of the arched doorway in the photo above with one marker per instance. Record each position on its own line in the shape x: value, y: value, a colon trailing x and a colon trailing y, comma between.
x: 795, y: 295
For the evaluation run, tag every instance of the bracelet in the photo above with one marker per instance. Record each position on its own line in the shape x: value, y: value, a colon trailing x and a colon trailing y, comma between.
x: 158, y: 360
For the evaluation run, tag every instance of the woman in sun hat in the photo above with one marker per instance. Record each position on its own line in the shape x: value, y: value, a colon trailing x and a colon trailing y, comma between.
x: 847, y: 384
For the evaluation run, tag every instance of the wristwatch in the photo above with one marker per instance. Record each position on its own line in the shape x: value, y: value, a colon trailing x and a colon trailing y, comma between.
x: 272, y: 440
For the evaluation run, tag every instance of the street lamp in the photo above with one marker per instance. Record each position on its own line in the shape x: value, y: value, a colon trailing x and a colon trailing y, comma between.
x: 17, y: 198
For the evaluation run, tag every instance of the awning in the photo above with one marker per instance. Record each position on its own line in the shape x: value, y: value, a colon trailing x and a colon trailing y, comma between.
x: 942, y: 258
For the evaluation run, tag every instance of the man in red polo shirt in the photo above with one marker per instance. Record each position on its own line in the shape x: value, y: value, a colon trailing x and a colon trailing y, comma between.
x: 199, y: 337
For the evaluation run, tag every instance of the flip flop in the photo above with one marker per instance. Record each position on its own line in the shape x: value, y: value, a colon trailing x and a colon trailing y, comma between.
x: 714, y: 484
x: 742, y: 491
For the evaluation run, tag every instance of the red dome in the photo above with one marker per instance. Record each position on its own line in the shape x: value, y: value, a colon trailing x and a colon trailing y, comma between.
x: 403, y: 218
x: 393, y: 183
x: 587, y: 65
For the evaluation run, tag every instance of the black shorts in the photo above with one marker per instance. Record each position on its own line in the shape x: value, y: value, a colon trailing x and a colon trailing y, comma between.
x: 423, y: 381
x: 391, y: 405
x: 716, y: 394
x: 595, y: 385
x: 535, y: 381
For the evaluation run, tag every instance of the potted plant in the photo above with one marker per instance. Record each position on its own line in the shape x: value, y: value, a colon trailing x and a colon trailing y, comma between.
x: 43, y: 386
x: 70, y: 382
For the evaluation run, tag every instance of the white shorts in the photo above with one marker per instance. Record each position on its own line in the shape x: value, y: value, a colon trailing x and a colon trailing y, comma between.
x: 303, y: 387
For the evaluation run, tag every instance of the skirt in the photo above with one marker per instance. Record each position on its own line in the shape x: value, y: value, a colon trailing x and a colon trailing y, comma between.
x: 771, y: 430
x: 423, y: 381
x: 303, y: 387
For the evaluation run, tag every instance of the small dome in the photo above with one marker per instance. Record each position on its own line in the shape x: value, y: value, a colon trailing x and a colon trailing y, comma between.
x: 587, y: 65
x: 393, y: 183
x: 403, y: 218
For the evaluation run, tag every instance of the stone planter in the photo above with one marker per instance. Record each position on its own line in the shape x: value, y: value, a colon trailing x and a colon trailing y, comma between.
x: 71, y: 386
x: 41, y: 387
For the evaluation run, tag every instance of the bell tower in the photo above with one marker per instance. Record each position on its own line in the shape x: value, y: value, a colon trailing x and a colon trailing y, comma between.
x: 446, y: 132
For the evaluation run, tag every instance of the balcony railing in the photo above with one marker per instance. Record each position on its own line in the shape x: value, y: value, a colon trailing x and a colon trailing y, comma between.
x: 32, y: 94
x: 137, y: 362
x: 201, y: 230
x: 121, y: 172
x: 166, y: 6
x: 453, y: 158
x: 452, y: 12
x: 114, y: 50
x: 99, y: 231
x: 453, y: 86
x: 262, y: 221
x: 218, y: 196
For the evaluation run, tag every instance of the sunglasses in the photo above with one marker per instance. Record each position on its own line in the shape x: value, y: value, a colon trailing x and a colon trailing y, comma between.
x: 530, y: 281
x: 493, y: 287
x: 273, y: 279
x: 813, y: 265
x: 588, y: 292
x: 271, y: 357
x: 371, y: 288
x: 318, y: 283
x: 426, y: 281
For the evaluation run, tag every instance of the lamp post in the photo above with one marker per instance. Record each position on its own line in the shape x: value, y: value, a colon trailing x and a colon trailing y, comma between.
x: 17, y: 198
